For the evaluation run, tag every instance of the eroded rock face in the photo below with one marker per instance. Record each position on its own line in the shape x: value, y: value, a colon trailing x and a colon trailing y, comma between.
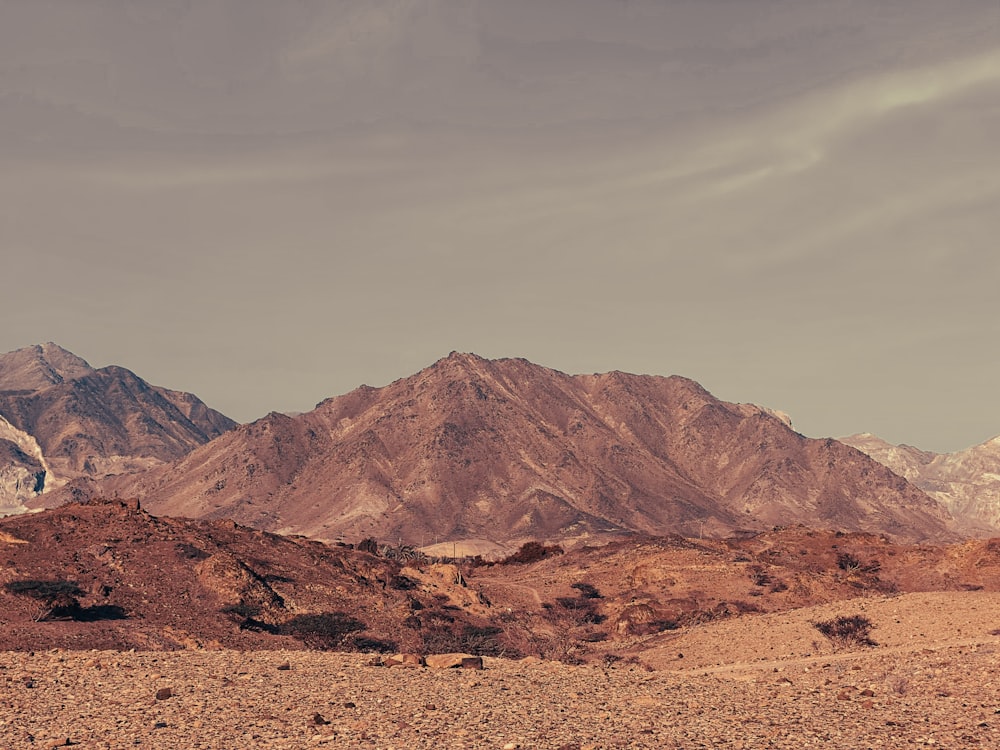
x: 22, y: 477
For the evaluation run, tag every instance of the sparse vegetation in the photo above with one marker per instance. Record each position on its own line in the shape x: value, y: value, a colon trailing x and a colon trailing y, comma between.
x: 587, y: 591
x: 59, y: 600
x: 327, y: 631
x: 532, y: 552
x: 847, y: 631
x: 852, y: 564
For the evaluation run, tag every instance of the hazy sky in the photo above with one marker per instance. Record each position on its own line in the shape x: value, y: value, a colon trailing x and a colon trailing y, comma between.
x: 793, y: 202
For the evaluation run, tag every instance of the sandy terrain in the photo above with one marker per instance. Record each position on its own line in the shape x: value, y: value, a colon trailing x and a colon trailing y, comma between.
x: 769, y: 681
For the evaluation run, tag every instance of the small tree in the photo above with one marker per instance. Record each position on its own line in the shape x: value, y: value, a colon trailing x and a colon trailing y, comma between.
x: 57, y: 599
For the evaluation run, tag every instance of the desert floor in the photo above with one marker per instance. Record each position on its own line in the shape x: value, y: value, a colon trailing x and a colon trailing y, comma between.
x: 752, y: 682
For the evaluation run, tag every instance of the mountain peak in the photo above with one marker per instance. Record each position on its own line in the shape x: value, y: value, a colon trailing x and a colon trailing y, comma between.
x: 40, y: 366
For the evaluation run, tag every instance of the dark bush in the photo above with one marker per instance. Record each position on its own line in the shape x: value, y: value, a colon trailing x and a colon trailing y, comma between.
x: 59, y: 601
x: 369, y: 545
x: 402, y: 583
x: 587, y: 591
x: 325, y: 631
x: 759, y: 576
x: 847, y: 630
x: 44, y: 590
x: 58, y: 598
x: 372, y: 645
x: 532, y: 552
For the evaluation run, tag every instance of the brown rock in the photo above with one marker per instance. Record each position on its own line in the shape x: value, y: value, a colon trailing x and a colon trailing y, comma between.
x: 163, y: 693
x: 450, y: 661
x: 404, y: 660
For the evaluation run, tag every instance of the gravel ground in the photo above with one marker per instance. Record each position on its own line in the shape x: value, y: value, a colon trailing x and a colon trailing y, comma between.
x: 759, y: 682
x: 942, y: 698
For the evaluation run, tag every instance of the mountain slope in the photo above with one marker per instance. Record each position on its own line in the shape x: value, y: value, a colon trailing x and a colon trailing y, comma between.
x: 61, y: 419
x: 506, y: 450
x: 966, y: 482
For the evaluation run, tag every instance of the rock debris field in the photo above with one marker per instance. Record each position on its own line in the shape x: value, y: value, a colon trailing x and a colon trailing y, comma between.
x: 936, y: 690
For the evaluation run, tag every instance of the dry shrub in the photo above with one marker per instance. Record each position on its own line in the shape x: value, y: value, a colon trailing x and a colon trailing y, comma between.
x: 532, y: 552
x: 847, y: 630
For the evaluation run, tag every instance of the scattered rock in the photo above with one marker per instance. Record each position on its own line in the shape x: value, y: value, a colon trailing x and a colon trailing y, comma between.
x: 318, y: 720
x: 284, y: 667
x: 163, y: 693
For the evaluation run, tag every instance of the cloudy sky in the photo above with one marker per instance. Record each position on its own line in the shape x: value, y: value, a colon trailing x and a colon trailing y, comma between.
x: 793, y: 202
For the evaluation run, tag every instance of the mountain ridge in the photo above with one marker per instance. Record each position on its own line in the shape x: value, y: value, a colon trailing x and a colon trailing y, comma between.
x: 506, y: 450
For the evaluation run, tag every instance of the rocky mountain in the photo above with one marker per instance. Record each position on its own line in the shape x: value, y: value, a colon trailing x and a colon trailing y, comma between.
x: 62, y: 419
x: 505, y: 450
x: 967, y: 482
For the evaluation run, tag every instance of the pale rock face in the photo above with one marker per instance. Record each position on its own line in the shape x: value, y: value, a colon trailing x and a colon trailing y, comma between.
x: 966, y: 482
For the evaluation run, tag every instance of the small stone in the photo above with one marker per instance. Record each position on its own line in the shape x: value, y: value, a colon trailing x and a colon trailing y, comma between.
x: 868, y: 693
x: 430, y: 707
x: 350, y: 704
x: 163, y: 693
x: 284, y: 667
x: 318, y: 720
x: 511, y: 746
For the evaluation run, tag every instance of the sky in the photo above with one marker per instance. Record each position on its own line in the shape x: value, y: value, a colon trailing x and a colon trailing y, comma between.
x: 793, y: 202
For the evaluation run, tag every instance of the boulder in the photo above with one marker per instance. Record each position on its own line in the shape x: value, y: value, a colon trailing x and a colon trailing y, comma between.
x: 454, y: 661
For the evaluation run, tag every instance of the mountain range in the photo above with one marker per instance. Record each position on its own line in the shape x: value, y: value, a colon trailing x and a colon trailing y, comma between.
x: 966, y: 483
x: 480, y: 451
x: 61, y: 419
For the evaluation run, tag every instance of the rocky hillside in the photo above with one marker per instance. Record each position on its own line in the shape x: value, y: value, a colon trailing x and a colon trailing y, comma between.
x: 506, y: 450
x: 108, y: 575
x: 62, y: 419
x: 967, y: 482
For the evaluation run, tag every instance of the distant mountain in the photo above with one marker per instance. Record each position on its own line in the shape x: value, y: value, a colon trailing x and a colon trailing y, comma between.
x: 967, y: 482
x: 506, y: 450
x: 61, y: 419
